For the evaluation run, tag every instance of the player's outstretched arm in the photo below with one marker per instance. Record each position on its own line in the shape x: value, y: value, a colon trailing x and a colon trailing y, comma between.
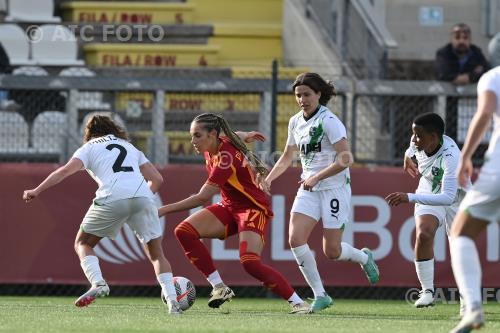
x: 206, y: 193
x: 283, y: 163
x: 251, y: 136
x: 397, y: 198
x: 54, y: 178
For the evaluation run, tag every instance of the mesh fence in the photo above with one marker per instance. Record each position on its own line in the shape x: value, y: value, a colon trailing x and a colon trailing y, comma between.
x: 383, y: 112
x: 42, y: 117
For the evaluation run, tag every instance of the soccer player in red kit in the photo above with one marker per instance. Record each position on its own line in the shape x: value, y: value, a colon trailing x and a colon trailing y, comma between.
x: 244, y: 210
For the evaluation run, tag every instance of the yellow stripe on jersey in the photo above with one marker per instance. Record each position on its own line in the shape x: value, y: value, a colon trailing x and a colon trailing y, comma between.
x: 233, y: 180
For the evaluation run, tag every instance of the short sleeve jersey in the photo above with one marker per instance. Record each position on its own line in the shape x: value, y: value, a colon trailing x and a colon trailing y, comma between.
x: 490, y: 81
x: 315, y: 138
x: 231, y: 172
x: 114, y: 164
x: 435, y: 168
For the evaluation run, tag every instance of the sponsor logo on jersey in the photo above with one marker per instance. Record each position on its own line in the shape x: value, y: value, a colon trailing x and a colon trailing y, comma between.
x: 310, y: 147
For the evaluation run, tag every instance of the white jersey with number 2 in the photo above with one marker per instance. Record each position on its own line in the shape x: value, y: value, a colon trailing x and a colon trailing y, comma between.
x: 114, y: 164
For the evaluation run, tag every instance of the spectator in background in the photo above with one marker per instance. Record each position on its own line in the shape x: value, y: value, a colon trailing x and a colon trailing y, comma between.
x: 494, y: 50
x: 459, y: 62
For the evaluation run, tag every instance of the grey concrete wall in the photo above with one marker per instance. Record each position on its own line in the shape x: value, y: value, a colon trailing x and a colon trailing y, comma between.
x: 417, y: 42
x: 303, y: 45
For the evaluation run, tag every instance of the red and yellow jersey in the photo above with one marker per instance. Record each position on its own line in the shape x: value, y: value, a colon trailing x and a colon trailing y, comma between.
x: 231, y: 172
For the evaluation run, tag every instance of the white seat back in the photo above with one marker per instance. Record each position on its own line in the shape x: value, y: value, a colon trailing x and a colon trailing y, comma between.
x: 15, y: 43
x: 56, y: 45
x: 87, y: 100
x: 30, y: 71
x: 31, y: 11
x: 14, y: 133
x: 49, y: 132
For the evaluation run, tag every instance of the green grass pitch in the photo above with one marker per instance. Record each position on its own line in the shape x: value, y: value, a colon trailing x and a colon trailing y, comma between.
x: 130, y: 314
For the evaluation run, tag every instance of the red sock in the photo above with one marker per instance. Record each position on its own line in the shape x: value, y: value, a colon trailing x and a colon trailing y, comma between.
x: 194, y: 249
x: 270, y: 277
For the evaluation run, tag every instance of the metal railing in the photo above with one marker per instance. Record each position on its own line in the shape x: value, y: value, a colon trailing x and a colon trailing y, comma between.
x: 48, y: 121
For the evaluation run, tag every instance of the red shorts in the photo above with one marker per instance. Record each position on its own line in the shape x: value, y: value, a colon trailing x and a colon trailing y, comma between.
x: 236, y: 220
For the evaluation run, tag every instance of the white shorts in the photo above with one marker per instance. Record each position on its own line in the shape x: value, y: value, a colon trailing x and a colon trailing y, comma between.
x: 444, y: 214
x: 483, y: 199
x: 332, y: 206
x: 140, y: 214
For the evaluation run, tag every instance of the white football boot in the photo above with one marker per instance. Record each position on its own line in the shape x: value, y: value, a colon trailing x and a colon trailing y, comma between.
x: 425, y: 299
x: 101, y: 289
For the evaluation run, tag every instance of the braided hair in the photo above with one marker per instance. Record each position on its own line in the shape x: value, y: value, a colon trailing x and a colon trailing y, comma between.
x: 212, y: 121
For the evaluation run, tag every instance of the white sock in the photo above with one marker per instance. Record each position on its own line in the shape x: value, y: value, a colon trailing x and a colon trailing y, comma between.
x: 90, y: 266
x: 467, y: 270
x: 215, y: 279
x: 308, y: 267
x: 167, y: 285
x: 425, y: 273
x: 350, y: 253
x: 295, y: 299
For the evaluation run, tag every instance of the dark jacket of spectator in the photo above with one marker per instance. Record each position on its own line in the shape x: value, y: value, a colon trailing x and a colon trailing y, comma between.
x: 448, y: 64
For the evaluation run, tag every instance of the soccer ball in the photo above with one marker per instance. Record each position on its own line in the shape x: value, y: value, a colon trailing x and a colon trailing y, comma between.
x: 186, y: 293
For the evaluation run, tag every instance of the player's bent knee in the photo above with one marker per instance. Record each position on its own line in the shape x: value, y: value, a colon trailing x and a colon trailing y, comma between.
x: 332, y: 252
x: 80, y: 245
x: 295, y: 241
x: 185, y: 231
x: 250, y: 262
x: 424, y: 237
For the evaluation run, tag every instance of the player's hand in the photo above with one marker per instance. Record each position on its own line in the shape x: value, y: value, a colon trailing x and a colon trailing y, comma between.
x: 464, y: 171
x: 264, y: 184
x: 462, y: 79
x: 396, y: 198
x: 254, y: 136
x: 410, y: 167
x: 29, y: 195
x: 309, y: 183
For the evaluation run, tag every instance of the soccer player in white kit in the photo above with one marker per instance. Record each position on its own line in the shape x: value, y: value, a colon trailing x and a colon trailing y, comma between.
x: 127, y: 181
x: 324, y: 191
x: 437, y: 196
x: 481, y: 205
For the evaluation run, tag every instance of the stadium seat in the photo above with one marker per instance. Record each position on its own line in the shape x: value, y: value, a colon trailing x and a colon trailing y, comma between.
x: 14, y: 134
x: 87, y: 100
x: 31, y: 11
x: 30, y: 71
x: 57, y: 46
x: 49, y: 132
x: 15, y: 43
